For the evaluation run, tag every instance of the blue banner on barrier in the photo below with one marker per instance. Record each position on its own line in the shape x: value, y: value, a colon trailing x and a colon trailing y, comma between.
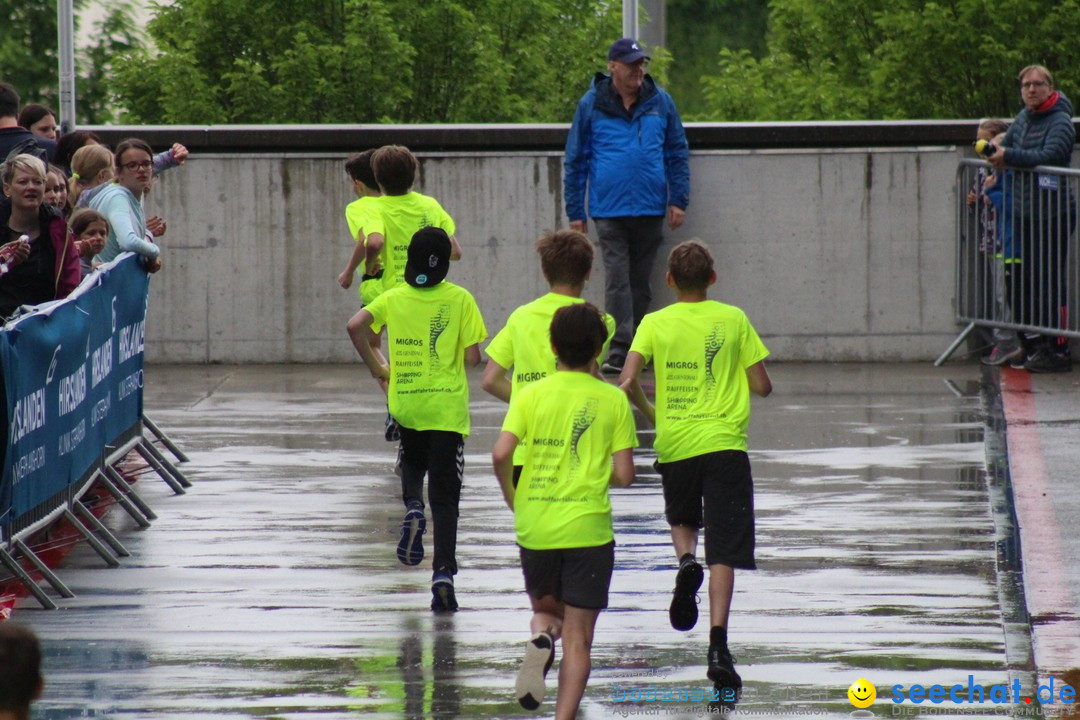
x: 73, y: 377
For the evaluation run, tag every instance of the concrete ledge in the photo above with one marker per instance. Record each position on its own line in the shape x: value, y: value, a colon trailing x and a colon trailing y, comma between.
x: 520, y: 137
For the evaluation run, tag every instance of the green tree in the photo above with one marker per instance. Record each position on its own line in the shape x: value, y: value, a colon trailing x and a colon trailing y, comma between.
x: 349, y: 61
x: 903, y: 59
x: 29, y: 54
x: 697, y: 30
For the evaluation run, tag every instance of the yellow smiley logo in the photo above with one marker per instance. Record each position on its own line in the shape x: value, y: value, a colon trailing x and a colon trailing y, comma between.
x: 862, y: 693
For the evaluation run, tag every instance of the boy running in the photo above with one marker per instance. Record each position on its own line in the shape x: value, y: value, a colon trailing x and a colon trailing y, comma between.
x: 433, y: 331
x: 707, y: 358
x: 573, y: 426
x: 524, y: 344
x: 404, y: 211
x: 365, y: 221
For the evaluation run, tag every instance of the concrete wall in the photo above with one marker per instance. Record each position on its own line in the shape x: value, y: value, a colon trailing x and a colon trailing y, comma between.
x: 835, y: 254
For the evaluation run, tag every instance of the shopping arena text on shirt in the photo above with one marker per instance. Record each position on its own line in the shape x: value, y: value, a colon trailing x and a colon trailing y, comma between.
x: 976, y: 694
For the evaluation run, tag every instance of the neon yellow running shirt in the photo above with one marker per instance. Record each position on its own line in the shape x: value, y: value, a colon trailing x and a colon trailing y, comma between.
x: 402, y: 216
x: 363, y: 214
x: 524, y: 343
x: 427, y: 331
x: 572, y: 424
x: 700, y: 352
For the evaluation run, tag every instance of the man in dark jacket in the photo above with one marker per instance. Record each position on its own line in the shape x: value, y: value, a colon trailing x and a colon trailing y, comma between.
x: 1043, y: 215
x: 628, y: 146
x: 12, y: 136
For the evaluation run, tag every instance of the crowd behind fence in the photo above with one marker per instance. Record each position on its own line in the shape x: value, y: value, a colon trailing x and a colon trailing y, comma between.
x: 72, y: 390
x: 1017, y: 265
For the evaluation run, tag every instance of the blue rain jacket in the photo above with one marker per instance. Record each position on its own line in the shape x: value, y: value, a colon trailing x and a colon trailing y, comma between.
x: 634, y: 163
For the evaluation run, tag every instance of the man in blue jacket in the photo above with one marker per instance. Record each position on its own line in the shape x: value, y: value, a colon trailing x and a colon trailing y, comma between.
x: 628, y: 145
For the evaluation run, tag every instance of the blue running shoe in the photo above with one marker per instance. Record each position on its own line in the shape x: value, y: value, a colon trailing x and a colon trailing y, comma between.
x: 443, y: 598
x: 410, y: 547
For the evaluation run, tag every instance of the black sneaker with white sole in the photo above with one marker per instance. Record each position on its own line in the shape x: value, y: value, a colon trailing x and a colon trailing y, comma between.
x: 722, y: 668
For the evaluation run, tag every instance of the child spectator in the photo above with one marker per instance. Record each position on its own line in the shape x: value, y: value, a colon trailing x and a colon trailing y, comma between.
x: 119, y: 203
x: 90, y: 229
x: 578, y: 434
x: 566, y: 258
x: 433, y: 330
x: 707, y: 358
x: 364, y: 220
x: 91, y: 167
x: 56, y: 191
x: 997, y: 195
x: 404, y: 211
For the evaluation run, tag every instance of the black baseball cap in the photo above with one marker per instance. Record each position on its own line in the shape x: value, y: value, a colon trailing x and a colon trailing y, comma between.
x: 429, y: 257
x: 626, y: 50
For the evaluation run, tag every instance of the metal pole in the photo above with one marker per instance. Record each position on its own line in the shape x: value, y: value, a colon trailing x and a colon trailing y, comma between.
x: 65, y: 22
x: 629, y: 19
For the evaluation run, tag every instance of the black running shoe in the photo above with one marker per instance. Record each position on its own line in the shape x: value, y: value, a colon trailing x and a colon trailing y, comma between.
x: 722, y: 668
x: 683, y: 611
x: 539, y: 654
x: 1048, y: 361
x: 443, y: 598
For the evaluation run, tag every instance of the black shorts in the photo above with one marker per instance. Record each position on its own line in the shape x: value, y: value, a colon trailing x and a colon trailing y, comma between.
x: 722, y: 482
x: 575, y: 576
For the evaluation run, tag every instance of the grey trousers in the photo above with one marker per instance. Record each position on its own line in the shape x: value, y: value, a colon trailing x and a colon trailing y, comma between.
x: 628, y: 247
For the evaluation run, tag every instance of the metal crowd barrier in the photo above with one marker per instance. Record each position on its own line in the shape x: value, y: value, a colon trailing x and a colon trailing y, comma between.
x: 73, y: 411
x: 1017, y: 260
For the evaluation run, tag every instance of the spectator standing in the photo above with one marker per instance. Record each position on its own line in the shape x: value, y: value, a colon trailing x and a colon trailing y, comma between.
x: 20, y: 671
x: 1004, y: 345
x: 56, y: 189
x: 627, y: 145
x: 1044, y: 212
x: 50, y: 270
x: 91, y: 167
x: 119, y: 203
x: 39, y: 120
x: 16, y: 138
x: 70, y: 143
x: 89, y: 229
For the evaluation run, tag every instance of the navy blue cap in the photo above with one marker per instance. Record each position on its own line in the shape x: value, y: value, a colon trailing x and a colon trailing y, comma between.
x: 626, y: 50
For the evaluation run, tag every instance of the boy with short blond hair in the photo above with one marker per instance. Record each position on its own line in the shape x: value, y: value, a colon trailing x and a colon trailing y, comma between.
x: 707, y: 358
x: 578, y: 433
x: 433, y: 332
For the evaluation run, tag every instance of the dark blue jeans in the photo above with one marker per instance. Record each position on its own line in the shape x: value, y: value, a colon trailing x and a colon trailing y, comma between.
x: 628, y: 246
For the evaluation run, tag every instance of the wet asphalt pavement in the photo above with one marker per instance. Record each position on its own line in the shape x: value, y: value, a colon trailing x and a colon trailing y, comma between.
x: 271, y: 589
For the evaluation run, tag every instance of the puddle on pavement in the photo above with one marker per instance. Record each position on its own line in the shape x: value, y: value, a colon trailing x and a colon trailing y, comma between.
x: 271, y: 590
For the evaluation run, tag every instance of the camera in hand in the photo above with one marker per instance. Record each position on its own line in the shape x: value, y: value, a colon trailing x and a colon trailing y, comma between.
x: 985, y: 148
